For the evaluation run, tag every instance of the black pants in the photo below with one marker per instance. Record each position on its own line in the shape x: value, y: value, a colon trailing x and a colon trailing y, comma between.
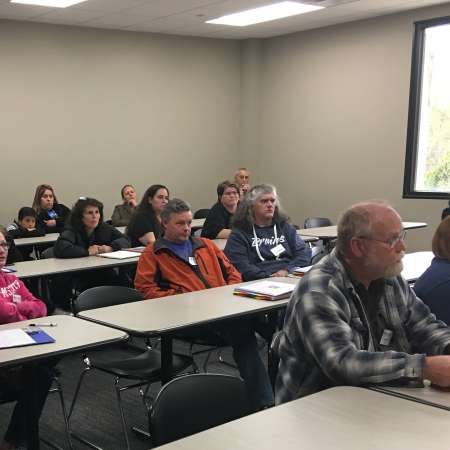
x: 29, y: 386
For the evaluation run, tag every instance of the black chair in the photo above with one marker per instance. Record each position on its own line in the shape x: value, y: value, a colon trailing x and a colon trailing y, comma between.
x: 316, y: 222
x: 201, y: 213
x: 139, y: 365
x: 194, y: 403
x: 319, y: 249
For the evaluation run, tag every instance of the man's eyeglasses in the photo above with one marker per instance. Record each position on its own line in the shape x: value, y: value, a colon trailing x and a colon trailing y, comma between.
x: 391, y: 243
x: 5, y: 245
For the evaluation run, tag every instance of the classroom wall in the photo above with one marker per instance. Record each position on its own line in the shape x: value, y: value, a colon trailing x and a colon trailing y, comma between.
x: 334, y: 109
x: 89, y: 110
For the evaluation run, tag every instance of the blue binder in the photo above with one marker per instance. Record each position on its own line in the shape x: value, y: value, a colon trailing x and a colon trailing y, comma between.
x: 39, y: 336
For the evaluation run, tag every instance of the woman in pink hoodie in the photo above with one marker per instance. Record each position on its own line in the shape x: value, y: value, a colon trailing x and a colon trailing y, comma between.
x: 16, y: 304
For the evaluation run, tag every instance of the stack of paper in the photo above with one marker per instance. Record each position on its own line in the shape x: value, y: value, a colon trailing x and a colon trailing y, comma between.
x: 120, y: 254
x: 266, y: 290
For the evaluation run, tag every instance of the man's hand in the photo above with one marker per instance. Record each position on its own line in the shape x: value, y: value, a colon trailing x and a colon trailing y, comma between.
x: 50, y: 223
x: 94, y: 250
x: 280, y: 273
x: 132, y: 202
x: 437, y: 370
x: 104, y: 249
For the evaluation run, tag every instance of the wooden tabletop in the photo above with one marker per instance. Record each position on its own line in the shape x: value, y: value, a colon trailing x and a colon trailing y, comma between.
x: 341, y: 418
x: 70, y: 334
x: 429, y: 395
x: 331, y: 231
x: 167, y: 314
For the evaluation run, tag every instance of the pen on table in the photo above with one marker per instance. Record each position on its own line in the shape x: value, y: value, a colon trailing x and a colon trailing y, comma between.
x: 43, y: 324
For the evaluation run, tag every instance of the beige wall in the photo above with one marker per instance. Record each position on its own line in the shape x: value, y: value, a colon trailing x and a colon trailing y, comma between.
x: 89, y: 110
x: 334, y: 118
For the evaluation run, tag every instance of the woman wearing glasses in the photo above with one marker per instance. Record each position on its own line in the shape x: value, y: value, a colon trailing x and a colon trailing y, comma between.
x: 218, y: 221
x: 17, y: 304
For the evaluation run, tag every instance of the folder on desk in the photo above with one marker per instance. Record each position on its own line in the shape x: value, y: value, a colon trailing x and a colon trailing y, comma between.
x: 18, y: 337
x: 265, y: 290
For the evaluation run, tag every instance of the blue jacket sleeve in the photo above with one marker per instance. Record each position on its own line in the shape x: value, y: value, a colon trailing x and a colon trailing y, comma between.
x: 301, y: 251
x: 239, y: 252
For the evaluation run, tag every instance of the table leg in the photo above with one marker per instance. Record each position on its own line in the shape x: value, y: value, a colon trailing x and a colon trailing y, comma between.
x: 166, y: 359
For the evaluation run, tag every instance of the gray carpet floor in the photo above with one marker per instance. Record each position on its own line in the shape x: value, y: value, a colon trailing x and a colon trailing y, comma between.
x: 96, y: 415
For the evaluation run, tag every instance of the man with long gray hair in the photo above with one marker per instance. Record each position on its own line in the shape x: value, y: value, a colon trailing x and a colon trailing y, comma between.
x: 262, y: 242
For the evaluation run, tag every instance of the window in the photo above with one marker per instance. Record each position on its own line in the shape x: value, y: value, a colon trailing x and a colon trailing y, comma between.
x: 427, y: 163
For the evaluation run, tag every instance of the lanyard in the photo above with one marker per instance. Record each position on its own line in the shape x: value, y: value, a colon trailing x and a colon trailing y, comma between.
x: 256, y: 241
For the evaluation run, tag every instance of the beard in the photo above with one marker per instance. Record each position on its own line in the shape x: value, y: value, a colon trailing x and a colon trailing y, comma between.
x: 392, y: 270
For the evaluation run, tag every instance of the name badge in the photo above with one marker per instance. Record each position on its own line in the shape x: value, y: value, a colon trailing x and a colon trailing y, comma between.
x: 192, y: 261
x: 386, y: 337
x: 278, y: 250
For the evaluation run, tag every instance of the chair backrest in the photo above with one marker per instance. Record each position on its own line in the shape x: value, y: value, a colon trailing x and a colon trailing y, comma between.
x: 201, y: 213
x: 193, y: 403
x: 48, y: 253
x: 101, y: 296
x: 315, y: 222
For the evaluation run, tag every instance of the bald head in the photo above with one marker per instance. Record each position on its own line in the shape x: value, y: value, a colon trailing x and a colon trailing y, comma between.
x: 363, y: 220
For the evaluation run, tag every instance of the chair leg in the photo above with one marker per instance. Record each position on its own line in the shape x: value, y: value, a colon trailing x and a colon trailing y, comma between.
x: 77, y: 390
x: 72, y: 406
x: 122, y: 414
x: 59, y: 390
x: 64, y: 411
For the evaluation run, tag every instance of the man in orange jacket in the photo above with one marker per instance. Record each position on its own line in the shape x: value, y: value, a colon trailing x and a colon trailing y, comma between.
x: 178, y: 263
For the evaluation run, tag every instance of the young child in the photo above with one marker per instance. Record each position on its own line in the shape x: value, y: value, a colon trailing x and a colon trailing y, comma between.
x: 25, y: 226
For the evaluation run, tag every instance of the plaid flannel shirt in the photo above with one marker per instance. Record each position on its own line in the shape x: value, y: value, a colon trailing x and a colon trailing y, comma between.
x: 326, y: 340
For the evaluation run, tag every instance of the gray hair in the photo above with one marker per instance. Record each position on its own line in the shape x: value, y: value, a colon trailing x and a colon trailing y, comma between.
x: 356, y: 221
x: 174, y: 206
x: 244, y: 218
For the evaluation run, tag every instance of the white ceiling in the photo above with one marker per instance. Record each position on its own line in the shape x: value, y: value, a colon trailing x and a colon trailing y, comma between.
x: 187, y: 17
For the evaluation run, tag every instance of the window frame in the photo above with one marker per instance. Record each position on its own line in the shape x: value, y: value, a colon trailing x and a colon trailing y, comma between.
x: 409, y: 190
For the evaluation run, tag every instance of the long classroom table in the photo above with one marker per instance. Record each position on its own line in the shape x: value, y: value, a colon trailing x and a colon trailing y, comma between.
x: 167, y: 316
x: 330, y: 232
x: 50, y: 238
x: 428, y: 395
x: 341, y: 418
x: 71, y: 335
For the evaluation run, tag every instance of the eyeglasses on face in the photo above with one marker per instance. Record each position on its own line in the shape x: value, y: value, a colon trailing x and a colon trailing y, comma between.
x: 391, y: 243
x: 5, y: 245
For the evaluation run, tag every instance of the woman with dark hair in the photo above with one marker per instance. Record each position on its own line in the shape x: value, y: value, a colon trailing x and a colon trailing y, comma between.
x: 145, y: 224
x: 122, y: 213
x: 433, y: 286
x: 51, y: 215
x: 263, y: 243
x: 218, y: 221
x: 85, y: 234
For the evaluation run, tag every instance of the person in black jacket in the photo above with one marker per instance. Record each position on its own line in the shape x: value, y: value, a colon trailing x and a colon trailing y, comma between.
x: 51, y: 215
x: 86, y: 234
x: 218, y: 221
x: 145, y: 223
x: 25, y: 227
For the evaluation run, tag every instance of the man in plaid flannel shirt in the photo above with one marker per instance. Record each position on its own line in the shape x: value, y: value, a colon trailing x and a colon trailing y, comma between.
x: 353, y: 320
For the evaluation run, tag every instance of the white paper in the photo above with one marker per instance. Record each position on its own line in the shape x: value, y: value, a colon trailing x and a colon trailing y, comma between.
x: 120, y: 254
x: 14, y: 338
x: 272, y: 288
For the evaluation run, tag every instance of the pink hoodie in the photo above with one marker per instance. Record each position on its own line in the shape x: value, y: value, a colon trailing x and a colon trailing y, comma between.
x: 16, y: 301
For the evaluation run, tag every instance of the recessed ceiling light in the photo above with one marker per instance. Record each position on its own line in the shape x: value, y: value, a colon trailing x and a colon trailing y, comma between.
x: 264, y: 14
x: 52, y: 3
